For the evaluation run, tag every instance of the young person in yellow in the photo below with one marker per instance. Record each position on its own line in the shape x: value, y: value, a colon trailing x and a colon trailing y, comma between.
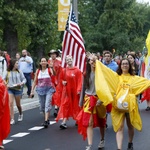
x: 121, y: 88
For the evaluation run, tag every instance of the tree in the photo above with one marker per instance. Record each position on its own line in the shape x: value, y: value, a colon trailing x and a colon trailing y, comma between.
x: 122, y: 25
x: 30, y: 25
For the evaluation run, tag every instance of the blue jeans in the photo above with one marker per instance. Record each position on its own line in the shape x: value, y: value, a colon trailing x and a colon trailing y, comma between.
x: 15, y: 92
x: 28, y: 83
x: 45, y: 102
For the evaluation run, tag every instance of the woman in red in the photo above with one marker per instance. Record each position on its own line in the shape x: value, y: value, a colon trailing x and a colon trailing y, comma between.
x: 89, y: 117
x: 4, y: 113
x: 70, y: 85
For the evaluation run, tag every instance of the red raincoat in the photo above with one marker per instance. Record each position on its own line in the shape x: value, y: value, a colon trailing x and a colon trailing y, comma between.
x: 68, y: 99
x: 4, y: 112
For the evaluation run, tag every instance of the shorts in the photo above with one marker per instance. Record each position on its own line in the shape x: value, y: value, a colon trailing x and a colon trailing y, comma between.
x: 15, y: 92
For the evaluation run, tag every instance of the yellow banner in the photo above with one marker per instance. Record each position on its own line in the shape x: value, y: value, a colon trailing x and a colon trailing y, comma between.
x: 63, y: 11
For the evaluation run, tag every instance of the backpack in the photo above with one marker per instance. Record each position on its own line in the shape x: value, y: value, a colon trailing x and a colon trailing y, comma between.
x: 122, y: 97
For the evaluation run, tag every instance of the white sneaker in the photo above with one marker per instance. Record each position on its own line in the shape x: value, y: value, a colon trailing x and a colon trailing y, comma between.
x: 20, y: 117
x: 12, y: 121
x: 101, y: 144
x: 89, y: 147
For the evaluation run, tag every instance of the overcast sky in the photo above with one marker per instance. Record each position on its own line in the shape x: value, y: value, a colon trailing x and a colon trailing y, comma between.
x: 143, y: 1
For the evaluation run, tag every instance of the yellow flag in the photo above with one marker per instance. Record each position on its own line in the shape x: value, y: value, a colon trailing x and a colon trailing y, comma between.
x: 147, y: 59
x: 102, y: 88
x: 63, y: 11
x: 148, y: 43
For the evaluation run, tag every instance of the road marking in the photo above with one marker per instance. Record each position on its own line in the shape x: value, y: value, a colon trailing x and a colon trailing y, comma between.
x: 7, y: 141
x: 36, y: 128
x: 52, y: 122
x: 21, y: 134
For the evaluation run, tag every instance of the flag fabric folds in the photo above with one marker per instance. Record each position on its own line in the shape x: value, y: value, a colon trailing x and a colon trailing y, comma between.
x: 147, y: 58
x: 73, y: 43
x: 148, y: 43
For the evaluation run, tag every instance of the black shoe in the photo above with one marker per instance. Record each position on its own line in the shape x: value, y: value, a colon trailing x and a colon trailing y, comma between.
x: 55, y: 112
x: 130, y: 146
x: 76, y: 124
x: 45, y: 124
x: 148, y: 108
x: 48, y: 121
x: 63, y: 126
x: 1, y: 147
x: 106, y: 126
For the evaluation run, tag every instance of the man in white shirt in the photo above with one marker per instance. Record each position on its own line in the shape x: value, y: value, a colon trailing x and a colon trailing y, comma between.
x: 25, y: 65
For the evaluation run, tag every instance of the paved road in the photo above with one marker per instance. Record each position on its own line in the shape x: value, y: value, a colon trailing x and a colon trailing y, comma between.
x: 29, y: 135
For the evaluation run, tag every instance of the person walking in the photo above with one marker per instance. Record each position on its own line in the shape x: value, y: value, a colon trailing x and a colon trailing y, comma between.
x: 44, y: 88
x: 25, y: 65
x: 15, y: 80
x: 4, y: 113
x: 53, y: 59
x: 3, y: 65
x: 110, y: 63
x: 70, y: 86
x: 121, y: 88
x: 90, y: 117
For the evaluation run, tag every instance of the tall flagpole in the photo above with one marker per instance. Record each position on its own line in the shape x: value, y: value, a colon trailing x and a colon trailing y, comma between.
x: 75, y: 8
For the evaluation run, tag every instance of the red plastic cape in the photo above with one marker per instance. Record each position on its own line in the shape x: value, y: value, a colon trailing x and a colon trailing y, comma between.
x: 4, y: 112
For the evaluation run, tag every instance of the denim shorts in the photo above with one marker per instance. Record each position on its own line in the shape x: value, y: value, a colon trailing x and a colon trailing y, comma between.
x: 15, y: 92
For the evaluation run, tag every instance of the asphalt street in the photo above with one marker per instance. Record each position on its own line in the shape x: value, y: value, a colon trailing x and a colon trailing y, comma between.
x: 29, y: 134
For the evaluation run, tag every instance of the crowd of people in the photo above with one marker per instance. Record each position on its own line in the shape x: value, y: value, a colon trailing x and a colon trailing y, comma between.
x: 76, y: 94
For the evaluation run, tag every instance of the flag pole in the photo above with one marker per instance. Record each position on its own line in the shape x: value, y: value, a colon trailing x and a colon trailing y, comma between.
x: 75, y: 8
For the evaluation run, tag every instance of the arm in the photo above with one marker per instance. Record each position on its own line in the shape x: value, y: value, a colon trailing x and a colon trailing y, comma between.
x: 29, y: 60
x: 79, y: 81
x: 139, y: 84
x: 34, y: 82
x: 23, y: 79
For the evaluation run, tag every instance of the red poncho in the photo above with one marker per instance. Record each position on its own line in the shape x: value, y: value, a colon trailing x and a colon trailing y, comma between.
x: 4, y: 112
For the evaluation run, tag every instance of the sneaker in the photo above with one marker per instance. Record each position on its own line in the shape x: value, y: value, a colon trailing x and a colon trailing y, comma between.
x: 1, y: 147
x: 63, y: 126
x: 101, y: 144
x: 12, y: 121
x: 89, y: 147
x: 45, y: 124
x: 20, y: 117
x: 48, y: 121
x: 130, y: 146
x: 148, y: 108
x: 106, y: 126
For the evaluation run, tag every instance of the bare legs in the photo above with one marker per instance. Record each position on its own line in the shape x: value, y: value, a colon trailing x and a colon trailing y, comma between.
x: 119, y: 133
x: 119, y: 136
x: 11, y: 104
x: 90, y: 131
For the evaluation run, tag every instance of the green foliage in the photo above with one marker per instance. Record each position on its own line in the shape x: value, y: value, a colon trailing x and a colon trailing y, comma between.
x: 104, y: 24
x: 35, y: 23
x: 122, y: 25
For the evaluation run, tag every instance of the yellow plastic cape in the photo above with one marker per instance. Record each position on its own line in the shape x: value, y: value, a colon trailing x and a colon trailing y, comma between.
x: 106, y: 84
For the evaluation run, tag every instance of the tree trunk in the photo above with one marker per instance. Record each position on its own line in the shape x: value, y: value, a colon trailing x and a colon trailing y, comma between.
x: 11, y: 39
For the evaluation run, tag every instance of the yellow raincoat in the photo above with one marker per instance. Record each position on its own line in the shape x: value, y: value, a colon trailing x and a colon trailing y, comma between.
x: 107, y: 82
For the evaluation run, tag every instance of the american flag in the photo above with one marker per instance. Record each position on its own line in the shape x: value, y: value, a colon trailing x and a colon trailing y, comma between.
x: 73, y: 43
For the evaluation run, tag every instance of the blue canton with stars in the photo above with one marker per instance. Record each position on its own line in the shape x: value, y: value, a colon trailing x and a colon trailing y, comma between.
x: 72, y: 18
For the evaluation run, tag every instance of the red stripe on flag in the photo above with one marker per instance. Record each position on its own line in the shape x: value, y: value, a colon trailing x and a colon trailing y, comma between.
x: 73, y: 44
